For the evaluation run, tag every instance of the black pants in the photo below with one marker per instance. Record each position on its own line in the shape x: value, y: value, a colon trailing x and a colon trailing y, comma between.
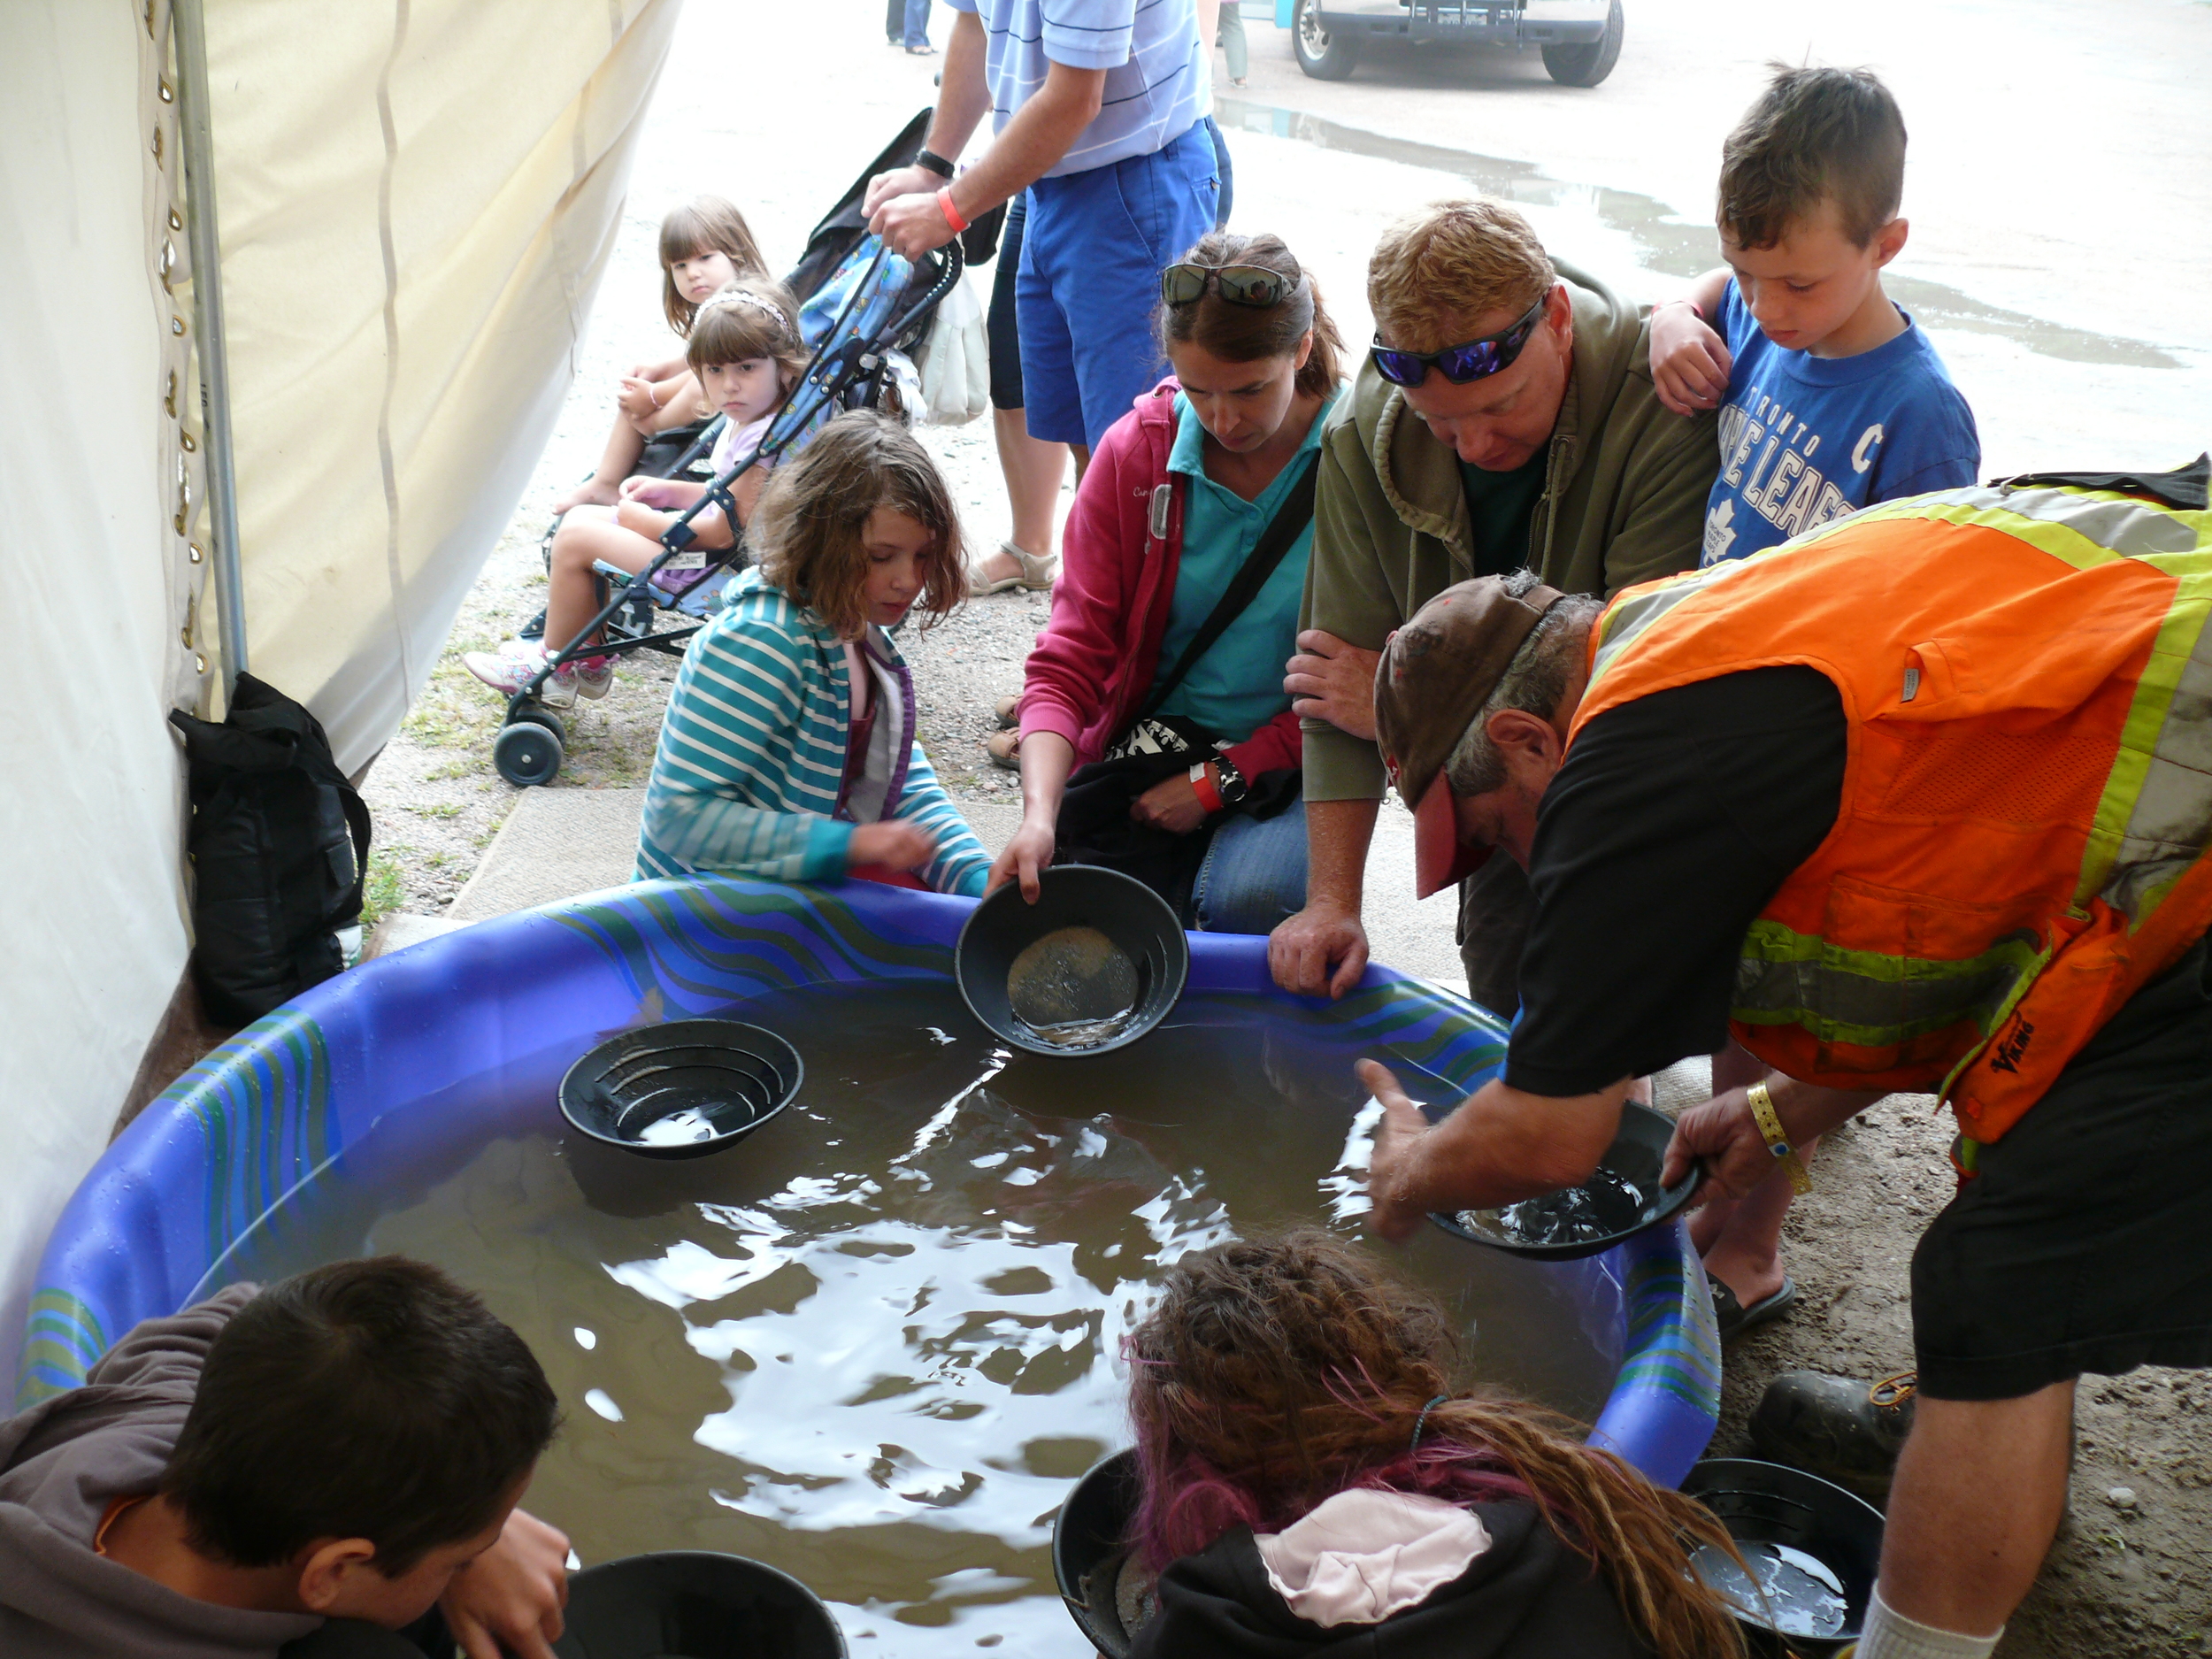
x: 2084, y: 1242
x: 1005, y: 336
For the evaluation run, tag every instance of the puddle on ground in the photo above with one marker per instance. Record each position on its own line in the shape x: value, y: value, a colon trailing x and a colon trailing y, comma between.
x: 875, y: 1344
x: 1672, y: 243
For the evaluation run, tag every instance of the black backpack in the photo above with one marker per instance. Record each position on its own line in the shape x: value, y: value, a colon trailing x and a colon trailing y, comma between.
x: 280, y: 845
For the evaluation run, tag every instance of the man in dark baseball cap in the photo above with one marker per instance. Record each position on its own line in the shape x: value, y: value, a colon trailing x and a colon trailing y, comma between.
x: 1437, y: 677
x: 1842, y: 816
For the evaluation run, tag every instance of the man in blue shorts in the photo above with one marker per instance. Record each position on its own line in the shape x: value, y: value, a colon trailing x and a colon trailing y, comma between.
x: 1097, y: 108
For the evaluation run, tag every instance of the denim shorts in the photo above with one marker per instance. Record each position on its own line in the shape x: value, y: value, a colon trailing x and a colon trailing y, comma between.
x: 1091, y: 253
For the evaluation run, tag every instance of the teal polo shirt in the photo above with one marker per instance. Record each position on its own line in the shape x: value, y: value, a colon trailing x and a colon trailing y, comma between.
x: 1237, y: 687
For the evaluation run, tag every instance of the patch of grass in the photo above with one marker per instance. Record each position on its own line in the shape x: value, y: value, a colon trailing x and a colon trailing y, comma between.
x: 451, y: 769
x: 439, y: 808
x: 385, y: 891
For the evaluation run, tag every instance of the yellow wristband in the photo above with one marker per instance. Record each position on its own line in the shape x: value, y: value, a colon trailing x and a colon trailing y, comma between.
x: 1770, y: 1131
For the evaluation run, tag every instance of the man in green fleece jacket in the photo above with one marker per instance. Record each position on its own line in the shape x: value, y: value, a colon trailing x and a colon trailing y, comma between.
x: 1530, y: 434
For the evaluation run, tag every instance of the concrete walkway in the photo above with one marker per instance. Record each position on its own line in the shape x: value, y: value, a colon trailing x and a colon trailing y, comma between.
x: 557, y: 843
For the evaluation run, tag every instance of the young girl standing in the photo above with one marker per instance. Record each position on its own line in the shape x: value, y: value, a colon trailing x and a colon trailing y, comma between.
x: 788, y: 748
x: 705, y: 246
x: 746, y: 353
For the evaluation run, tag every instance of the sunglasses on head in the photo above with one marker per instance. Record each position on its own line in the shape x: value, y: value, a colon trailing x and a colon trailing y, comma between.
x: 1463, y: 365
x: 1239, y: 284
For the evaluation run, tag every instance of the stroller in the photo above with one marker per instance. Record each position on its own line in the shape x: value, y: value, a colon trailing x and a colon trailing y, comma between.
x: 863, y: 315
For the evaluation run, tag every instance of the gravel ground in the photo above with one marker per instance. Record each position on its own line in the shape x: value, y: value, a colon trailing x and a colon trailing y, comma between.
x: 2128, y: 1575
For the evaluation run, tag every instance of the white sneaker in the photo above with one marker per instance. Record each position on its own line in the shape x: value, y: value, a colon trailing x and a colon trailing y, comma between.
x: 595, y: 675
x: 515, y: 664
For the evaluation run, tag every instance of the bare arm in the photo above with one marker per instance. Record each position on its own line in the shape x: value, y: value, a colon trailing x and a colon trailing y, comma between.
x: 1046, y: 759
x: 1723, y: 1133
x: 1328, y: 930
x: 1689, y: 360
x: 902, y: 206
x: 1499, y: 1146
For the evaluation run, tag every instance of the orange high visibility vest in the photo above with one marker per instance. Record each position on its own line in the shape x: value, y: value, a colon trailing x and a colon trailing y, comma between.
x: 2027, y: 800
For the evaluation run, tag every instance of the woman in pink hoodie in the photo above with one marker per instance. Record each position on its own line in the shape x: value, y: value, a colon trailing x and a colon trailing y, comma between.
x: 1155, y: 732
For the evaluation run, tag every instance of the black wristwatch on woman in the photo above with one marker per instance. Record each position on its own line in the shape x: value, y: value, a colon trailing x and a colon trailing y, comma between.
x: 931, y: 161
x: 1233, y: 787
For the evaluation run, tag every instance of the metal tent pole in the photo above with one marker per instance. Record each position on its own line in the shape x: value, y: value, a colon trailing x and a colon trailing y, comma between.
x: 195, y: 124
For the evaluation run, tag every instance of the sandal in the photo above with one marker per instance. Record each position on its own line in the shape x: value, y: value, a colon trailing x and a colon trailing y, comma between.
x: 1004, y: 748
x: 1038, y: 573
x: 1008, y: 711
x: 1733, y: 1318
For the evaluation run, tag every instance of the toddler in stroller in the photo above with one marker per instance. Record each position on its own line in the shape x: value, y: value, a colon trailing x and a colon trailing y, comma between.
x: 705, y: 246
x: 862, y: 308
x: 746, y: 351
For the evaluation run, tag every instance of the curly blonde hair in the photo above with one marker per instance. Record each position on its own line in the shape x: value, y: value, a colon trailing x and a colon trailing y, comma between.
x: 1436, y: 272
x: 807, y: 532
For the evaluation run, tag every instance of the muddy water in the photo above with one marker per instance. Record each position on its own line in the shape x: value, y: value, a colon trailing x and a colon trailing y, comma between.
x: 875, y: 1344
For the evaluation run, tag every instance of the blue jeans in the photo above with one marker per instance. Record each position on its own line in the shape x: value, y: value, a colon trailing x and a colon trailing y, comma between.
x: 1092, y: 254
x: 918, y: 22
x: 1255, y: 873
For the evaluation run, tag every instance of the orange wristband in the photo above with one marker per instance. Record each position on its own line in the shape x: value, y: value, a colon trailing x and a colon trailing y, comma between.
x: 946, y: 205
x: 1202, y: 779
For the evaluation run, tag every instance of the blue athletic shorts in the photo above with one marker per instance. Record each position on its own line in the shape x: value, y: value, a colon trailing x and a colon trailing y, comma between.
x: 1092, y: 254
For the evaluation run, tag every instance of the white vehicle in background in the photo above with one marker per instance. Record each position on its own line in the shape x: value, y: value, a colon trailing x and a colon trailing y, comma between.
x: 1581, y: 38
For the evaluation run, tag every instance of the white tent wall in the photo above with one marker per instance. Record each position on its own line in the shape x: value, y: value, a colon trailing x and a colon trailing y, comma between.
x: 417, y: 198
x: 92, y: 568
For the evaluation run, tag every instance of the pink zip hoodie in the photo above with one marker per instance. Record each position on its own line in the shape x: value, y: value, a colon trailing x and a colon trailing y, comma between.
x: 1100, y: 652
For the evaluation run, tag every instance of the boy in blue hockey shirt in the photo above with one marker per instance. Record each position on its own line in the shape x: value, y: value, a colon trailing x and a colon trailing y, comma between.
x: 1830, y: 398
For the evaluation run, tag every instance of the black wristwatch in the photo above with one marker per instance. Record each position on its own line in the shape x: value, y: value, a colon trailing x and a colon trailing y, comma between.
x: 1232, y: 785
x: 935, y: 163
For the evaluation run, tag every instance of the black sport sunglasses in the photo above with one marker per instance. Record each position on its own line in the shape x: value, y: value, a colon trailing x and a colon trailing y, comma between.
x: 1463, y: 365
x: 1239, y: 284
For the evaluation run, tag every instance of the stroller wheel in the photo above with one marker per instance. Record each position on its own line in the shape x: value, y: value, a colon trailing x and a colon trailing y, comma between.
x: 528, y: 754
x: 533, y: 629
x: 538, y: 714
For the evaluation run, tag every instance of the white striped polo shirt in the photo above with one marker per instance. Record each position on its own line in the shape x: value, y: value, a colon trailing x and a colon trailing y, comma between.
x: 1155, y: 69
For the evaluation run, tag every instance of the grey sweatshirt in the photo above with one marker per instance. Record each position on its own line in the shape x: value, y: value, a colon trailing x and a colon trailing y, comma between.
x: 63, y: 1462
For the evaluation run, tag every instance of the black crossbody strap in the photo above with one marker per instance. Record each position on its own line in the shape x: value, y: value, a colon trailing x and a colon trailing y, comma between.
x: 1290, y: 518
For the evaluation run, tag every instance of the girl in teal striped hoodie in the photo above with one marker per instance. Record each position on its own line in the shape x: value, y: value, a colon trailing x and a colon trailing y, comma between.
x: 788, y: 748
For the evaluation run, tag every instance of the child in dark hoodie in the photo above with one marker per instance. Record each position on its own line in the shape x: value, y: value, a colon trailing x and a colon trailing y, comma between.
x: 1311, y: 1481
x: 306, y: 1469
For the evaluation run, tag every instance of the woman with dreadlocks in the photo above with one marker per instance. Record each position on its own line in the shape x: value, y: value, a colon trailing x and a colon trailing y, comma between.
x: 1310, y: 1473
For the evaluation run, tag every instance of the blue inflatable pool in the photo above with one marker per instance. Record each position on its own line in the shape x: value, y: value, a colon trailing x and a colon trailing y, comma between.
x: 388, y: 1044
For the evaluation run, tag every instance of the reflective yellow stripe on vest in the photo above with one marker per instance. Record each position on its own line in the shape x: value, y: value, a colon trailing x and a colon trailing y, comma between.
x: 2154, y: 816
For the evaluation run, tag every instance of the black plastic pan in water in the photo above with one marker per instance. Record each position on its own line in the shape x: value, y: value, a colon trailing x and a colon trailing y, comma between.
x: 1813, y: 1549
x: 682, y: 1089
x: 695, y: 1604
x: 1094, y: 963
x: 1089, y: 1551
x: 1621, y: 1200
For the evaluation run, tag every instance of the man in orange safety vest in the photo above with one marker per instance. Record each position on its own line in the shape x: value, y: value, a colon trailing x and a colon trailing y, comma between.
x: 1919, y: 802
